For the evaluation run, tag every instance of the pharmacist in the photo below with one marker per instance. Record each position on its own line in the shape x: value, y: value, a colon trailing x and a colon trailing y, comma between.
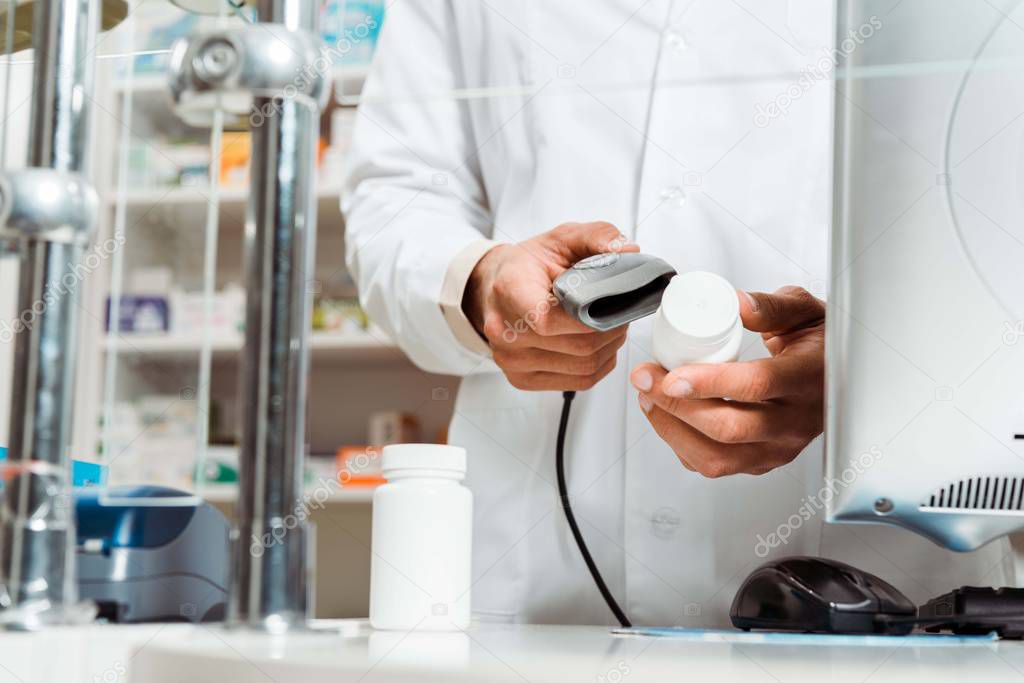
x: 500, y: 141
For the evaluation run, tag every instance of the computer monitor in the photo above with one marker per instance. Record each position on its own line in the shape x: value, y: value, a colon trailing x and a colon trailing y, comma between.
x: 925, y: 328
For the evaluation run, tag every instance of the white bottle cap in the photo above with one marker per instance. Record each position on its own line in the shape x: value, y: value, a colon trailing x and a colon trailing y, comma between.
x: 701, y: 306
x: 423, y: 456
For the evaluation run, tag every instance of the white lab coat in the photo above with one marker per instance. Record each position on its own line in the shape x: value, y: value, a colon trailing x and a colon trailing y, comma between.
x: 549, y: 128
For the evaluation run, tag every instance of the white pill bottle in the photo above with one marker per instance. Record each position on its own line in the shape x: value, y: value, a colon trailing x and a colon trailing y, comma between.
x: 698, y: 321
x: 422, y: 535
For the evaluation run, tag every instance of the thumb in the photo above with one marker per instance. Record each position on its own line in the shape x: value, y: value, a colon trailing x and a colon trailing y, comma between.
x: 573, y: 242
x: 789, y: 308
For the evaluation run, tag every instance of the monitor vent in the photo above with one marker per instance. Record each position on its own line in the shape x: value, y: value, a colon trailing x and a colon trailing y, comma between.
x: 980, y: 493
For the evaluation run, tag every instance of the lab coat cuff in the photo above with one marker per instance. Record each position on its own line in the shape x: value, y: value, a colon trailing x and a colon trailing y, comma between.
x: 454, y: 287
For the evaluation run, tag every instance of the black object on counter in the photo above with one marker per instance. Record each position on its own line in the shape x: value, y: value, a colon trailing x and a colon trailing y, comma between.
x: 975, y: 611
x: 810, y: 594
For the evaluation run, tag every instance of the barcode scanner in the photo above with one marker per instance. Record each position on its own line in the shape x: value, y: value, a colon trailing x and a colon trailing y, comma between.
x: 606, y: 291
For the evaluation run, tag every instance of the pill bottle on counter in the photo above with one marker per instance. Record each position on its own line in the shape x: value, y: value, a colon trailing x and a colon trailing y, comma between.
x: 698, y: 321
x: 422, y: 534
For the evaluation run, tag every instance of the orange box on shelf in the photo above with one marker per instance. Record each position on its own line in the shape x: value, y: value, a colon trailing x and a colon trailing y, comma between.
x: 235, y: 153
x: 359, y: 466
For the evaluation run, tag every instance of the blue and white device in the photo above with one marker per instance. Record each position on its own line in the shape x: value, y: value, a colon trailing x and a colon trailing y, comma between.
x: 149, y: 553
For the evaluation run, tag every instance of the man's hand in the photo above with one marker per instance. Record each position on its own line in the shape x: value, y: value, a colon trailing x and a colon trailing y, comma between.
x: 775, y: 407
x: 537, y: 344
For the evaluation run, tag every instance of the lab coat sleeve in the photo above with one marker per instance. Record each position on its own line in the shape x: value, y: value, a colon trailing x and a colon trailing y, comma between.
x: 412, y: 194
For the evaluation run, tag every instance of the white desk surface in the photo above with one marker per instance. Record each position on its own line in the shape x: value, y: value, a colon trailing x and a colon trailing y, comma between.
x: 351, y: 651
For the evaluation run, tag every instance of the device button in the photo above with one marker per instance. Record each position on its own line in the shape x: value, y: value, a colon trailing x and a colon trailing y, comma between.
x: 596, y: 261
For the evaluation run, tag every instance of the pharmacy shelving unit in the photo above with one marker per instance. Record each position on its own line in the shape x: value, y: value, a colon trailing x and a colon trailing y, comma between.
x: 362, y: 495
x: 352, y: 374
x: 354, y: 347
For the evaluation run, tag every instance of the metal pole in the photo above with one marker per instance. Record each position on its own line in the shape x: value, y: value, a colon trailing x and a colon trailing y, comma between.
x: 37, y: 531
x: 269, y: 566
x: 63, y: 31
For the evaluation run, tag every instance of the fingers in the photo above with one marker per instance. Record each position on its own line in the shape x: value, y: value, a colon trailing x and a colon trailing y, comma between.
x: 787, y: 309
x: 576, y: 241
x: 702, y: 454
x: 764, y: 379
x: 543, y: 360
x: 731, y: 421
x: 502, y: 336
x: 553, y: 381
x: 585, y: 359
x: 523, y: 305
x: 555, y: 322
x: 576, y: 344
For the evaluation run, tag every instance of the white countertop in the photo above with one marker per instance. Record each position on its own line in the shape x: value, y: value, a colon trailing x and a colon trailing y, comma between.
x: 72, y: 654
x: 351, y: 651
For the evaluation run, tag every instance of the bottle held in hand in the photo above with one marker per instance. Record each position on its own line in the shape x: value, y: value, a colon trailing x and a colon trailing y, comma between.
x: 698, y: 321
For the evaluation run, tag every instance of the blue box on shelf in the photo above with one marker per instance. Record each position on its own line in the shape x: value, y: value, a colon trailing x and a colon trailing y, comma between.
x: 142, y: 314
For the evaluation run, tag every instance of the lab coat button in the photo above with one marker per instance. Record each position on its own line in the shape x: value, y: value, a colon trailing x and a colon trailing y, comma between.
x: 675, y: 40
x: 673, y: 195
x: 665, y: 522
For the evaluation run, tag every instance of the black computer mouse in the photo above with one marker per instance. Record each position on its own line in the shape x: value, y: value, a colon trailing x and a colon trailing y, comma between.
x: 815, y: 595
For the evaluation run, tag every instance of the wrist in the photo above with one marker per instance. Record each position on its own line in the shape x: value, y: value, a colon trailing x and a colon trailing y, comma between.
x: 474, y: 296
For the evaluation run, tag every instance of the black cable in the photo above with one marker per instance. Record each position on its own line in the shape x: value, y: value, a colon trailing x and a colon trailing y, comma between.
x: 953, y: 619
x: 563, y: 494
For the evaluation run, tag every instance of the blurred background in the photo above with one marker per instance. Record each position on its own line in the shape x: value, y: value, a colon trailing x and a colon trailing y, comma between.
x: 143, y: 401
